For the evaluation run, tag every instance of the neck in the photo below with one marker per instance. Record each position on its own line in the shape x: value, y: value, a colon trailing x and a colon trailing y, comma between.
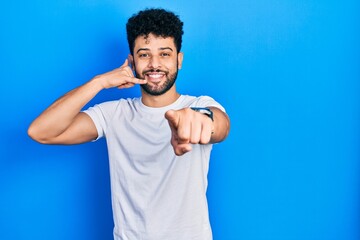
x: 162, y: 100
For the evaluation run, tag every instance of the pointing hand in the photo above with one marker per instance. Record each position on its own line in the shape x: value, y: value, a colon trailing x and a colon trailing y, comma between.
x: 188, y: 127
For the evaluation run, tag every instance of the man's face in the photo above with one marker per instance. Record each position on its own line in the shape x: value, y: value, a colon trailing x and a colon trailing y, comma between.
x: 156, y: 59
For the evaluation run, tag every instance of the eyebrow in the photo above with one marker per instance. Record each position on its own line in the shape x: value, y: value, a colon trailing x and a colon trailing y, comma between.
x: 142, y: 49
x: 147, y: 49
x: 166, y: 48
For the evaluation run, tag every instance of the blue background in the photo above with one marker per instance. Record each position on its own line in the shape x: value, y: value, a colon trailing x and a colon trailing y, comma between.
x: 287, y: 72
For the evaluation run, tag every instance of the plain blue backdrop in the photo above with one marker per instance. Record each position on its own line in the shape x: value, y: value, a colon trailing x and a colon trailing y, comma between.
x: 286, y: 71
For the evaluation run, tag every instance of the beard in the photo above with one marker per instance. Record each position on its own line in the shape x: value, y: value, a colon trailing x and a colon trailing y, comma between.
x: 158, y: 89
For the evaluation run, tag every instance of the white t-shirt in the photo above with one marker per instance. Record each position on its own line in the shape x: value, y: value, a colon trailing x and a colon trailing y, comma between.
x: 156, y: 195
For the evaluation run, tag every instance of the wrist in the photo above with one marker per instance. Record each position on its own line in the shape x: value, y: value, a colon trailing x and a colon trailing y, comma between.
x: 204, y: 110
x: 99, y: 82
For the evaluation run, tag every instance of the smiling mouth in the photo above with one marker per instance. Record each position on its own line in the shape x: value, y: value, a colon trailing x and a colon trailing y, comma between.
x: 154, y: 77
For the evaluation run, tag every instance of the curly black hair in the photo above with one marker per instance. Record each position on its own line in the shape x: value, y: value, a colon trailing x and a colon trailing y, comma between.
x: 157, y: 21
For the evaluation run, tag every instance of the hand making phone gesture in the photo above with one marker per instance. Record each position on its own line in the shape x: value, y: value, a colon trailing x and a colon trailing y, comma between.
x: 121, y: 77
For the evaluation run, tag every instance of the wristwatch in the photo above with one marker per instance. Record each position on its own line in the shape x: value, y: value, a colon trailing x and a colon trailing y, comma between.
x: 204, y: 110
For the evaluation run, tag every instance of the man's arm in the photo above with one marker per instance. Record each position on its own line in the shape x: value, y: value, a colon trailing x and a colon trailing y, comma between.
x: 190, y: 127
x: 221, y: 125
x: 63, y: 123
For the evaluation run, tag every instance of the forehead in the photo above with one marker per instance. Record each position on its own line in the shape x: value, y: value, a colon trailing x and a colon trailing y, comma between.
x: 153, y: 42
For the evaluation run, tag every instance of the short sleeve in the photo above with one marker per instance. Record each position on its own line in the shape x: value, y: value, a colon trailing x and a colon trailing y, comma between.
x: 101, y: 115
x: 206, y: 101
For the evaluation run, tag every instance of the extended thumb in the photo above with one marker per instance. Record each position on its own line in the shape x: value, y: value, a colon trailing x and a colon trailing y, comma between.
x: 125, y: 63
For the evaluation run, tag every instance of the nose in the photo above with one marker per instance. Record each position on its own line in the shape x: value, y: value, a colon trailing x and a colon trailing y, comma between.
x: 154, y: 62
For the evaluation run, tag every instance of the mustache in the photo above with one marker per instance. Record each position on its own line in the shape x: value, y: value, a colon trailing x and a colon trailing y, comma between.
x: 155, y: 71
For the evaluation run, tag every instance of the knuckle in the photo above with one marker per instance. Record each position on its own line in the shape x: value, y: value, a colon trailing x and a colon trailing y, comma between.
x: 182, y: 134
x: 183, y: 138
x: 205, y: 139
x: 195, y: 139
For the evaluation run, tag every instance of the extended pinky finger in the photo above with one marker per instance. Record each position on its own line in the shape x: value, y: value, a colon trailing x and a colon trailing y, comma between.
x: 126, y: 85
x: 136, y: 80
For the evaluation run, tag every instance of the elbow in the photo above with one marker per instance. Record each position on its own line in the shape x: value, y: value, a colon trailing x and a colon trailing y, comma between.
x: 34, y: 134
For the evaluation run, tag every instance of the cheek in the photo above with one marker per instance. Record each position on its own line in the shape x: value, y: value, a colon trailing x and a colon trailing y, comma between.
x: 173, y: 65
x: 139, y: 67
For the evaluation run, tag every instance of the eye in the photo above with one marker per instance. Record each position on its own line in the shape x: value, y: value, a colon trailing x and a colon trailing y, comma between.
x: 143, y: 55
x: 165, y: 54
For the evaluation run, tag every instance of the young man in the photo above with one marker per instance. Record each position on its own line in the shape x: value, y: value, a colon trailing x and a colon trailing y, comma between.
x: 159, y: 144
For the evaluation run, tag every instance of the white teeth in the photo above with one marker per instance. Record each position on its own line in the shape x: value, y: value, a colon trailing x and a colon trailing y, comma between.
x: 155, y: 75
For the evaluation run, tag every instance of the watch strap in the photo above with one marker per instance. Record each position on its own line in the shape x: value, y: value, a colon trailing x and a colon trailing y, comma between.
x: 204, y: 110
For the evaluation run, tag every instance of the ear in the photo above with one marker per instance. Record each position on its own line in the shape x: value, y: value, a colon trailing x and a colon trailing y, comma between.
x: 131, y: 61
x: 180, y: 57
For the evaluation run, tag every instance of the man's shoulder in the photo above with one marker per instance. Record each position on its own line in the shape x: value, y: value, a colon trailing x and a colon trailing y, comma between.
x: 202, y: 101
x: 121, y: 101
x: 198, y: 99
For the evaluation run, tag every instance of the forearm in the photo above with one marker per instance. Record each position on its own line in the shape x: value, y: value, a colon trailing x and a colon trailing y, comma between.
x: 59, y: 116
x: 221, y: 125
